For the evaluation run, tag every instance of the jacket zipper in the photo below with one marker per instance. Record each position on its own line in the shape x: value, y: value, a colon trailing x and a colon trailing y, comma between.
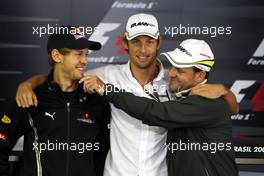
x: 68, y: 138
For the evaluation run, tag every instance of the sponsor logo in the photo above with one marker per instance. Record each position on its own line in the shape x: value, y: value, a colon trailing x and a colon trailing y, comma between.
x: 50, y: 115
x: 79, y: 33
x: 134, y: 5
x: 103, y: 37
x: 245, y: 117
x: 103, y: 29
x: 3, y: 136
x: 239, y: 86
x: 87, y: 118
x: 258, y: 56
x: 6, y: 119
x: 141, y: 24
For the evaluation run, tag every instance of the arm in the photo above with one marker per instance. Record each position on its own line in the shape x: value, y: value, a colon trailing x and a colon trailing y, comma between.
x: 194, y: 111
x: 230, y: 98
x: 25, y: 97
x: 216, y: 91
x: 103, y: 137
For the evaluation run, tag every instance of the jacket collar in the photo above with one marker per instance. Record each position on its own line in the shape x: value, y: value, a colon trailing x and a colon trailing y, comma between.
x: 55, y: 88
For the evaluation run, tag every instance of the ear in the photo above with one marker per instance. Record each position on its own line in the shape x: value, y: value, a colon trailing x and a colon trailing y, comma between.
x: 159, y: 42
x: 56, y: 56
x: 125, y: 43
x: 200, y: 76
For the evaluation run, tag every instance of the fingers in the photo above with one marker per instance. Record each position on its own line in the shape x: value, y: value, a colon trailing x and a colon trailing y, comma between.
x: 26, y: 101
x: 87, y: 77
x: 198, y: 92
x: 25, y: 97
x: 23, y: 100
x: 90, y: 87
x: 207, y: 90
x: 202, y: 90
x: 29, y: 100
x: 197, y: 89
x: 35, y: 100
x: 19, y: 104
x: 92, y: 84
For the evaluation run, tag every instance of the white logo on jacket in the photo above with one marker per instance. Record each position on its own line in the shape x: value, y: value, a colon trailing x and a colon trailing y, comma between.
x: 50, y: 115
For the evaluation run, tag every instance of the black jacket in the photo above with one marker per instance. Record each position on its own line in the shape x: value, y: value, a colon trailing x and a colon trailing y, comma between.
x: 70, y: 129
x: 199, y: 132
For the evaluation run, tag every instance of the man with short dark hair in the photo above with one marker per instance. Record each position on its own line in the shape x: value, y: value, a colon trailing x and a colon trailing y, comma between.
x: 67, y: 133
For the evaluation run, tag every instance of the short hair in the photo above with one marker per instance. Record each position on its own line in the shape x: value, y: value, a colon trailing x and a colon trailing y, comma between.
x: 195, y: 69
x: 63, y: 51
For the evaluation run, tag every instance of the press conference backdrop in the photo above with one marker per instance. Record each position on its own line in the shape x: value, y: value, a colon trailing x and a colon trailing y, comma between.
x: 233, y: 28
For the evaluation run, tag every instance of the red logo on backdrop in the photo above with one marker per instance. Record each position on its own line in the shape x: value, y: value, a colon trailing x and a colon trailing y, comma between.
x: 258, y: 99
x: 3, y: 136
x: 119, y: 41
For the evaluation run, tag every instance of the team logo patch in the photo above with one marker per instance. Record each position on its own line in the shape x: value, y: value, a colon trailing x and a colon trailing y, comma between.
x: 87, y: 118
x: 79, y: 33
x: 3, y: 136
x: 6, y: 119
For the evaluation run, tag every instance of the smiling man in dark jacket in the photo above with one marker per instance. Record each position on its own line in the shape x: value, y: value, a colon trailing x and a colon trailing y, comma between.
x: 67, y: 134
x: 199, y: 129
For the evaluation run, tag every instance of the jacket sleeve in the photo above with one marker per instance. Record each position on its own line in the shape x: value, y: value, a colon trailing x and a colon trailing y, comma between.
x: 194, y: 111
x: 103, y: 138
x: 11, y: 128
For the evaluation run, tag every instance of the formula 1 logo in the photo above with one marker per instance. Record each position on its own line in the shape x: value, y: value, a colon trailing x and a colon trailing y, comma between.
x: 103, y: 38
x: 240, y: 86
x: 256, y: 59
x: 104, y: 28
x: 118, y: 43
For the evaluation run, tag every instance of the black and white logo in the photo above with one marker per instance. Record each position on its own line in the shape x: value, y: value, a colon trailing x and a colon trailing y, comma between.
x: 258, y: 56
x: 141, y: 24
x: 50, y: 115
